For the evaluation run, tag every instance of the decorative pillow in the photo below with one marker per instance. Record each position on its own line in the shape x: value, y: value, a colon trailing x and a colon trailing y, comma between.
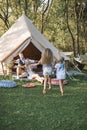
x: 56, y: 81
x: 7, y: 84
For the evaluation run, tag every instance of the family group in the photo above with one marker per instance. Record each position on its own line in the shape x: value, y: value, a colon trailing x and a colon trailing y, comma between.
x: 47, y: 62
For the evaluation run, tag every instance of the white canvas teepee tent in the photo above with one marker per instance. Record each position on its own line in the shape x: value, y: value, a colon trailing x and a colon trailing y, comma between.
x: 24, y: 37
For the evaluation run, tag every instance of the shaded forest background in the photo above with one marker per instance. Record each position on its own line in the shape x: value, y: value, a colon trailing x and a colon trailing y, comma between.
x: 63, y: 22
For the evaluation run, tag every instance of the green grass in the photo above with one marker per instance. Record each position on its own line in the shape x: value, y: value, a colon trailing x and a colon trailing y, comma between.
x: 28, y: 109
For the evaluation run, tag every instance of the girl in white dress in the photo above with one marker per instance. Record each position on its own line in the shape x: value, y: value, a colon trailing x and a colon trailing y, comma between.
x: 60, y: 73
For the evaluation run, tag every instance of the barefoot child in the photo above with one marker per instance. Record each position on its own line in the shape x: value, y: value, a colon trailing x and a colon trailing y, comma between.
x: 46, y: 61
x: 60, y: 73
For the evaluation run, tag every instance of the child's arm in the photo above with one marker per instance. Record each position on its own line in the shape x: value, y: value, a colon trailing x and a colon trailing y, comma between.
x: 35, y: 64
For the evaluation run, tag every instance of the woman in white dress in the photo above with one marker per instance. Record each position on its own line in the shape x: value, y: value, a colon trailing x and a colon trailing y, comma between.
x: 31, y: 74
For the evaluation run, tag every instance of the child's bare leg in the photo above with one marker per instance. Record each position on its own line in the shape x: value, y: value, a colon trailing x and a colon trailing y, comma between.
x: 61, y: 87
x: 38, y: 78
x: 45, y: 83
x: 18, y: 70
x: 49, y: 81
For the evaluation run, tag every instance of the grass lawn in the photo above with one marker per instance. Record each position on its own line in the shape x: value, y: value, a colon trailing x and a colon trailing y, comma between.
x: 28, y: 109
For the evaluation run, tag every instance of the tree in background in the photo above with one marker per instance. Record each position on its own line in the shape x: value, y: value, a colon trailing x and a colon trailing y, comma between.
x: 79, y: 14
x: 4, y: 12
x: 64, y: 23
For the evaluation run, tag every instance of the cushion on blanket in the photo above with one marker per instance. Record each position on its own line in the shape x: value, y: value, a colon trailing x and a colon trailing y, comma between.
x: 29, y: 85
x: 56, y: 81
x: 7, y: 84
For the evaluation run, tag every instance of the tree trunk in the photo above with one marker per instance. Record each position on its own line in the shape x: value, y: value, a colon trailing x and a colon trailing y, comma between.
x: 4, y: 16
x: 43, y: 15
x: 25, y: 7
x: 77, y: 30
x: 67, y: 21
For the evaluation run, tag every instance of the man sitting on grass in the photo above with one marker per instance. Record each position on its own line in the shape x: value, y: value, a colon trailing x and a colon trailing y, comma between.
x: 21, y: 65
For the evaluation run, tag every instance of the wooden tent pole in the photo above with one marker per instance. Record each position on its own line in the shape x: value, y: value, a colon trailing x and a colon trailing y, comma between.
x: 2, y: 68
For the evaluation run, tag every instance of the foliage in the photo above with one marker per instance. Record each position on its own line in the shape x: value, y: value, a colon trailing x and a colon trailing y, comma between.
x: 49, y: 16
x: 9, y: 65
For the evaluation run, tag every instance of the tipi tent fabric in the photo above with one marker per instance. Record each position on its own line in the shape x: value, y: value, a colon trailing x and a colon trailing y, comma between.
x: 22, y: 35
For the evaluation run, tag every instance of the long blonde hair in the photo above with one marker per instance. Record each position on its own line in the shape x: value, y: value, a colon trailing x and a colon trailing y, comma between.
x: 47, y: 56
